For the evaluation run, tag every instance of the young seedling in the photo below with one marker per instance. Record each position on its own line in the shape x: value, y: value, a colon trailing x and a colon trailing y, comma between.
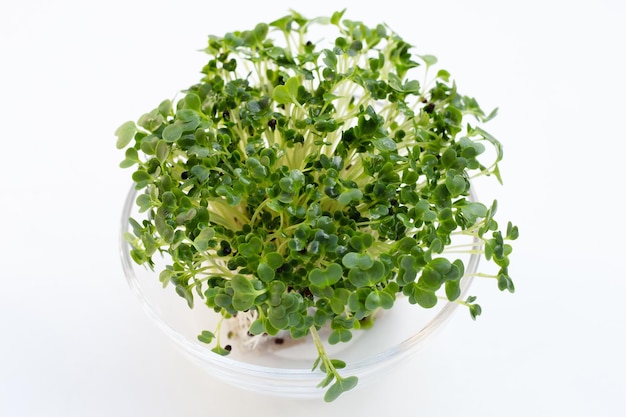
x: 310, y: 184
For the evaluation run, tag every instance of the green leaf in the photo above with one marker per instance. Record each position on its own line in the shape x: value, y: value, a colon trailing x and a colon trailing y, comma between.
x: 165, y: 108
x: 292, y: 84
x: 131, y: 158
x: 326, y: 125
x: 429, y: 60
x: 491, y: 139
x: 192, y: 101
x: 448, y: 158
x: 472, y: 211
x: 453, y: 290
x: 379, y: 299
x: 425, y: 298
x: 245, y: 294
x: 288, y: 92
x: 339, y: 387
x: 490, y: 116
x: 408, y: 270
x: 200, y: 172
x: 336, y: 17
x: 330, y: 377
x: 265, y: 272
x: 405, y: 220
x: 165, y: 230
x: 201, y: 242
x: 125, y: 133
x: 330, y: 59
x: 412, y: 87
x: 339, y: 300
x: 329, y: 97
x: 274, y: 260
x: 277, y: 317
x: 512, y: 232
x: 206, y: 336
x: 418, y: 295
x: 257, y: 327
x: 443, y: 75
x: 456, y: 185
x: 220, y: 351
x: 162, y: 150
x: 378, y: 211
x: 369, y: 277
x: 232, y: 198
x: 475, y: 311
x: 326, y: 277
x: 505, y: 282
x: 339, y: 336
x: 165, y: 276
x: 350, y: 195
x: 286, y: 184
x: 457, y: 271
x: 185, y: 293
x: 434, y: 273
x: 172, y: 132
x: 357, y: 260
x: 256, y: 168
x: 384, y: 144
x: 251, y: 248
x: 338, y: 363
x: 276, y: 290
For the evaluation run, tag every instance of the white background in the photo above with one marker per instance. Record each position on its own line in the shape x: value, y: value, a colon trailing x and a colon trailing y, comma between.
x: 74, y: 340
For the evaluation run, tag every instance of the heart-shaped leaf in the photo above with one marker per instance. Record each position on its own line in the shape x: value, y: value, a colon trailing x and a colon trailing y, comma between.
x: 329, y: 276
x: 342, y: 385
x: 357, y: 260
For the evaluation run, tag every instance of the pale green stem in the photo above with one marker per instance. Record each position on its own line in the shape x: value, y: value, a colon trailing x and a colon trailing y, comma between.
x: 321, y: 351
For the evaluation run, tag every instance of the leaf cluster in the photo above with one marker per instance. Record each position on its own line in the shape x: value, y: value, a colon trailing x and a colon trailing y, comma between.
x: 313, y: 184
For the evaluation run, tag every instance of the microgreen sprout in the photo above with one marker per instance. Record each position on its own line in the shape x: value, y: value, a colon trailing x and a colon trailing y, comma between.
x: 311, y: 184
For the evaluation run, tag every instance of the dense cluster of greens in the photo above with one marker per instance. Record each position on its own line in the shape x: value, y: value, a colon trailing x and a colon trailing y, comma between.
x: 313, y: 184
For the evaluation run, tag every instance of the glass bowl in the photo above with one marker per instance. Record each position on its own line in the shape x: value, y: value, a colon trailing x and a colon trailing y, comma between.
x: 284, y: 369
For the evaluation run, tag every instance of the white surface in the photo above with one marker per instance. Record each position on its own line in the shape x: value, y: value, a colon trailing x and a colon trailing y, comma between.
x: 74, y: 341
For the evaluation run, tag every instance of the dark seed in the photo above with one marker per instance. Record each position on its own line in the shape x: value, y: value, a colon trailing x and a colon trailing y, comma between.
x: 184, y: 175
x: 228, y: 347
x: 279, y: 340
